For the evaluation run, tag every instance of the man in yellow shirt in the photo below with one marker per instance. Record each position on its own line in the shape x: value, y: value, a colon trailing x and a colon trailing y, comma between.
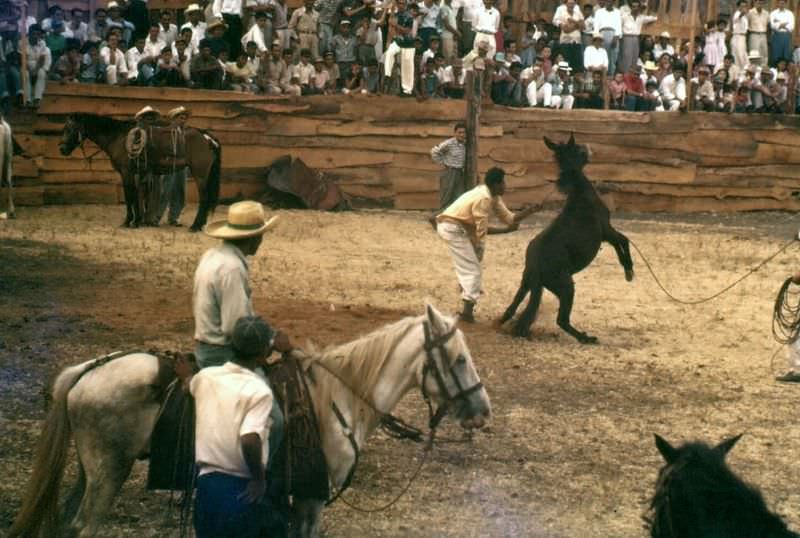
x: 465, y: 225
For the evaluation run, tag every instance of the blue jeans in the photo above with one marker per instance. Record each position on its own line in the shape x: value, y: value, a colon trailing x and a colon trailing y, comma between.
x: 209, y: 355
x: 218, y: 511
x: 173, y: 194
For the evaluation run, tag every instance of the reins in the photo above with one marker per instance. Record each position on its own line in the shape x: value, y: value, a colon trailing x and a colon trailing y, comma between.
x: 723, y: 290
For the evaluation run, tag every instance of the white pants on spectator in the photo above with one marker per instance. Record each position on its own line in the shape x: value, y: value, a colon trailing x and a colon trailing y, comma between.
x: 291, y: 89
x: 36, y: 90
x: 759, y: 42
x: 111, y: 74
x: 671, y: 104
x: 284, y: 35
x: 406, y: 65
x: 465, y: 259
x: 535, y: 93
x: 562, y: 101
x: 448, y: 47
x: 480, y: 37
x: 739, y: 50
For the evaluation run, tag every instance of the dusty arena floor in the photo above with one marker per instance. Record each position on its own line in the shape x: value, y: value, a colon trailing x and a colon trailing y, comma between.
x: 569, y: 452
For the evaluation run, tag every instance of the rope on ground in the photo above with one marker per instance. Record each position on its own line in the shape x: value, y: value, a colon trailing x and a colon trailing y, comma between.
x: 723, y: 290
x: 786, y: 314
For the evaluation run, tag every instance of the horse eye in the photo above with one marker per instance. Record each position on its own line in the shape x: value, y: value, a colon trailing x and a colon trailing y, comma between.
x: 460, y: 360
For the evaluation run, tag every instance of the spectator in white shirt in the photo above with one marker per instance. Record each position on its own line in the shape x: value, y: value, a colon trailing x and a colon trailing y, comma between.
x: 139, y: 74
x: 259, y: 33
x: 76, y: 26
x: 39, y: 62
x: 608, y: 21
x: 153, y: 45
x: 116, y: 68
x: 595, y: 57
x: 738, y: 29
x: 632, y: 24
x: 758, y: 24
x: 167, y: 32
x: 193, y: 12
x: 663, y: 47
x: 588, y: 25
x: 673, y: 89
x: 450, y: 32
x: 569, y: 18
x: 486, y: 23
x: 781, y: 22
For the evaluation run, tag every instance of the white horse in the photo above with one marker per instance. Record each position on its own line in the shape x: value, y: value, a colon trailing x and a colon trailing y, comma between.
x: 110, y: 406
x: 6, y: 176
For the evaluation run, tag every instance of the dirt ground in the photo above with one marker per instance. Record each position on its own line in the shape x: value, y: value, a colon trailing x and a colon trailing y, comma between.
x: 569, y: 451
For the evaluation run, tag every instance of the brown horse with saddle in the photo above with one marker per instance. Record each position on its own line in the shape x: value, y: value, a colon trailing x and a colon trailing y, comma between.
x: 141, y: 152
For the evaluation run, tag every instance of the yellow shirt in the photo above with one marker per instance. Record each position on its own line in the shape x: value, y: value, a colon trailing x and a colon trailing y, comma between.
x: 472, y: 210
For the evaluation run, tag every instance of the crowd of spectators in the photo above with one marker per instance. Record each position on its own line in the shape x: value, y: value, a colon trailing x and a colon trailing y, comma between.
x: 591, y: 56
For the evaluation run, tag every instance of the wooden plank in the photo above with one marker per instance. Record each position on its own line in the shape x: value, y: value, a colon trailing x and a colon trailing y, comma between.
x: 75, y: 164
x: 63, y: 105
x: 673, y: 204
x: 28, y: 195
x: 152, y: 94
x: 23, y: 167
x: 245, y: 157
x: 716, y: 192
x: 78, y: 177
x: 105, y: 193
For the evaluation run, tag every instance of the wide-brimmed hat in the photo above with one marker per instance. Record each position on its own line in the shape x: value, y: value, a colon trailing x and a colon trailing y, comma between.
x: 563, y: 66
x: 177, y: 111
x: 665, y: 34
x: 650, y: 65
x: 192, y: 7
x: 216, y: 24
x: 148, y: 110
x: 112, y: 5
x: 781, y: 76
x: 245, y: 219
x: 704, y: 69
x: 753, y: 55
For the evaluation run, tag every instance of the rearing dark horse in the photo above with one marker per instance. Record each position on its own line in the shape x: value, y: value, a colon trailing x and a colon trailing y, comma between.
x: 568, y: 244
x: 203, y: 157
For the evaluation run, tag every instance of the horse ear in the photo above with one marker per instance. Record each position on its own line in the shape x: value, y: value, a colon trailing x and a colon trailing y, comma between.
x: 725, y: 446
x: 571, y: 140
x: 669, y: 452
x: 436, y: 319
x: 550, y: 144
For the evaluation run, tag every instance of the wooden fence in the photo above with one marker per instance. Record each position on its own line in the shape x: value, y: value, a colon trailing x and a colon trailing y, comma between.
x: 377, y: 148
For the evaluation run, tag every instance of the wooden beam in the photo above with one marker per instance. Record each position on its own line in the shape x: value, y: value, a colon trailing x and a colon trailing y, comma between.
x: 690, y: 59
x: 474, y: 90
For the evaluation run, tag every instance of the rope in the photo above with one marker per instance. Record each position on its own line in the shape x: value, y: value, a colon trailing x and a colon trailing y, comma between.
x: 135, y: 142
x: 786, y: 314
x: 723, y: 290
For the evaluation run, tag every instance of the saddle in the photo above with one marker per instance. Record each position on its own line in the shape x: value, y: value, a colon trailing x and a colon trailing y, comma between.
x: 311, y: 188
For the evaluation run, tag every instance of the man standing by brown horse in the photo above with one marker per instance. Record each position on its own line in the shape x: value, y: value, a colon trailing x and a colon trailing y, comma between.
x: 148, y: 184
x: 173, y: 183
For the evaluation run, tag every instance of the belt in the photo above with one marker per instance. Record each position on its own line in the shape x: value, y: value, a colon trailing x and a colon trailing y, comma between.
x: 606, y: 30
x: 758, y: 32
x: 307, y: 33
x: 485, y: 32
x: 282, y: 28
x: 739, y: 34
x: 631, y: 35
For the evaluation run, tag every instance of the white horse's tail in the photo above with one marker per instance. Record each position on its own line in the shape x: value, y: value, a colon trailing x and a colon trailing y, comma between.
x: 39, y: 513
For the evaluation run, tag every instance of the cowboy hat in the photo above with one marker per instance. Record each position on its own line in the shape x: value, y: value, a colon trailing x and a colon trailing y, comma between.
x: 215, y: 24
x: 650, y: 65
x: 753, y: 55
x: 245, y: 219
x: 112, y: 5
x: 781, y: 76
x: 147, y: 111
x: 564, y: 66
x: 177, y: 111
x: 192, y: 7
x: 665, y: 34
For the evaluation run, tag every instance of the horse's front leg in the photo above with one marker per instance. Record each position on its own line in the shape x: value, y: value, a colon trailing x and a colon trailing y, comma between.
x: 11, y: 210
x: 621, y: 246
x: 306, y: 517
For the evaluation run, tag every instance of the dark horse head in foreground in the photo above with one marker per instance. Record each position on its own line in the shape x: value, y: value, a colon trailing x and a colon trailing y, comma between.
x: 698, y: 496
x: 568, y: 244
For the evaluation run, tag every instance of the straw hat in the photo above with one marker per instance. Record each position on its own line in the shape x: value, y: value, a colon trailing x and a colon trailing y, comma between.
x: 650, y: 65
x: 216, y: 24
x: 665, y: 34
x: 112, y: 5
x: 781, y: 76
x: 245, y: 219
x: 177, y: 111
x: 564, y: 66
x: 753, y: 55
x: 192, y: 7
x: 146, y: 111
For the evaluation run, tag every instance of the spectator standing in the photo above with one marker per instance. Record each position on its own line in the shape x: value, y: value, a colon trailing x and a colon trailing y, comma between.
x: 758, y: 22
x: 230, y: 12
x: 280, y: 23
x: 198, y: 27
x: 715, y: 48
x: 10, y: 76
x: 528, y: 45
x: 663, y: 47
x: 429, y: 26
x: 588, y: 26
x: 451, y: 154
x: 403, y: 44
x: 114, y: 59
x: 486, y: 24
x: 328, y: 19
x: 260, y: 33
x: 305, y: 24
x: 569, y: 19
x: 632, y: 23
x: 167, y: 32
x: 738, y: 29
x: 345, y: 46
x: 781, y: 22
x: 451, y: 35
x: 608, y: 22
x: 39, y: 63
x: 595, y: 57
x: 98, y: 28
x: 139, y: 18
x: 206, y: 71
x: 215, y: 36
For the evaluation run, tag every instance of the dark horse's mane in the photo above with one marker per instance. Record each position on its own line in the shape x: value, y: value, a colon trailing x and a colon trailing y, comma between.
x: 102, y: 123
x: 570, y: 165
x: 697, y: 495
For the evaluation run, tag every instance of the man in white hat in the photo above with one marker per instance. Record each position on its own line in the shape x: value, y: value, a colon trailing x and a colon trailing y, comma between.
x: 758, y: 23
x: 231, y: 11
x: 221, y: 294
x: 561, y: 82
x: 754, y: 62
x: 173, y: 185
x: 198, y: 27
x: 663, y: 47
x: 595, y: 57
x: 149, y: 184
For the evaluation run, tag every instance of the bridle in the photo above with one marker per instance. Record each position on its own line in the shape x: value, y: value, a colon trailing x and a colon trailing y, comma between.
x: 391, y: 424
x: 82, y: 138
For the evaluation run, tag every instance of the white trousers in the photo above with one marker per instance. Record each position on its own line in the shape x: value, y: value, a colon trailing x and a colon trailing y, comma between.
x: 480, y: 37
x: 465, y: 259
x: 739, y: 46
x: 562, y: 101
x: 534, y: 93
x: 794, y: 356
x: 406, y: 65
x: 36, y: 89
x: 111, y: 74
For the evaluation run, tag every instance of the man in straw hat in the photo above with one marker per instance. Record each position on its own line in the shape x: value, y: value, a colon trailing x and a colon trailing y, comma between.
x: 148, y: 185
x: 198, y: 27
x: 230, y: 11
x: 173, y: 184
x: 233, y: 437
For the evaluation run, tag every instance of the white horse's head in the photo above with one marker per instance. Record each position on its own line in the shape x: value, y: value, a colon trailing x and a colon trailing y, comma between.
x: 447, y: 374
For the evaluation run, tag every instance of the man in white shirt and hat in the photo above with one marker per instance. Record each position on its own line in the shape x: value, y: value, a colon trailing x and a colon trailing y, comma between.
x: 632, y: 23
x: 663, y: 47
x: 485, y: 24
x: 198, y: 27
x: 595, y: 57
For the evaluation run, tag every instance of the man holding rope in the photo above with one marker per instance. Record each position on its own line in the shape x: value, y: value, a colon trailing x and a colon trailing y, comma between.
x: 792, y: 375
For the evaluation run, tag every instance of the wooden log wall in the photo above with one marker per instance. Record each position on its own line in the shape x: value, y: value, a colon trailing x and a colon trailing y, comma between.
x: 377, y: 148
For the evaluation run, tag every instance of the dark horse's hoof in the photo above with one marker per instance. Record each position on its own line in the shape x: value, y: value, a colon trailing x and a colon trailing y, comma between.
x: 586, y: 339
x: 520, y: 331
x: 194, y: 229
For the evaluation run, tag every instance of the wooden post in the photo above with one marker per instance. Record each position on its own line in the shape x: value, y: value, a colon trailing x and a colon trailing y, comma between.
x: 690, y: 60
x: 791, y: 91
x: 22, y: 28
x: 473, y: 96
x: 606, y: 93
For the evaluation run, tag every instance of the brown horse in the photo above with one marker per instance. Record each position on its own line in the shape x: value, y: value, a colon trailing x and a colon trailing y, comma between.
x: 203, y: 157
